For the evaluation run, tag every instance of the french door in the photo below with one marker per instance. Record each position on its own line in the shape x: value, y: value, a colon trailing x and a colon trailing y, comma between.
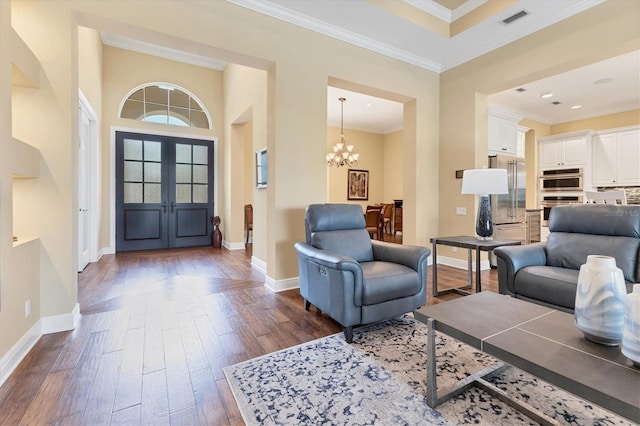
x: 164, y: 191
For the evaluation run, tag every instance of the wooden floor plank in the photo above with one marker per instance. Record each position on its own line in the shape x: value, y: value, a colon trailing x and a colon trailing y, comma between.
x: 101, y: 396
x: 129, y: 388
x: 209, y: 402
x: 178, y: 381
x: 155, y: 399
x: 44, y: 406
x: 156, y: 331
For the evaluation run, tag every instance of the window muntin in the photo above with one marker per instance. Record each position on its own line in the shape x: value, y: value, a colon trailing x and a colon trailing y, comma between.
x: 165, y: 104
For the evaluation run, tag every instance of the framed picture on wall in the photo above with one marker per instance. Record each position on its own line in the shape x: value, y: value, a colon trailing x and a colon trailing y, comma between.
x: 261, y: 168
x: 357, y: 184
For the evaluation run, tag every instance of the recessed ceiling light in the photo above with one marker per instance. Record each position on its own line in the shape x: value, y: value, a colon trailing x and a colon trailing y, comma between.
x: 576, y: 107
x: 603, y: 81
x: 546, y: 95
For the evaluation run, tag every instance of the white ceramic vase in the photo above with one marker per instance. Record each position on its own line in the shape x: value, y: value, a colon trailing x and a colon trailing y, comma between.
x: 631, y: 332
x: 600, y: 300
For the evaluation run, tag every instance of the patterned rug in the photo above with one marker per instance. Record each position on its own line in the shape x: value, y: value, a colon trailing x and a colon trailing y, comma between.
x: 380, y: 379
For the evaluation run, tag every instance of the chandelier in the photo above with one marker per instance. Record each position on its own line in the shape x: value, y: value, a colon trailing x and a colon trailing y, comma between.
x: 342, y: 154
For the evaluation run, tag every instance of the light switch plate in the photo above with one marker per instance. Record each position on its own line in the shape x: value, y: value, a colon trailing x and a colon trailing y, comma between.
x: 461, y: 211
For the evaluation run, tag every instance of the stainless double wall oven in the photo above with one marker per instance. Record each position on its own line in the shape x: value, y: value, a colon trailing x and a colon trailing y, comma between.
x: 561, y: 180
x: 551, y: 200
x: 560, y: 187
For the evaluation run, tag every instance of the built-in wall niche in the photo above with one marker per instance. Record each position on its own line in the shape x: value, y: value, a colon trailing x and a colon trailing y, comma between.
x: 25, y: 158
x: 25, y: 173
x: 25, y: 70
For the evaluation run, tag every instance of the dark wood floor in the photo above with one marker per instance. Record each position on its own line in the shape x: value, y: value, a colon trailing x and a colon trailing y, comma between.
x: 157, y: 329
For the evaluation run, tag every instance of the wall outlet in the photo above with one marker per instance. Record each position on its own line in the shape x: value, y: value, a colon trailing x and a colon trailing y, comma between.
x: 461, y: 211
x: 454, y: 249
x: 27, y: 308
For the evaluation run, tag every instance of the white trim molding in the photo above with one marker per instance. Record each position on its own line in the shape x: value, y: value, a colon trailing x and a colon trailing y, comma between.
x: 462, y: 264
x: 277, y: 286
x: 46, y: 325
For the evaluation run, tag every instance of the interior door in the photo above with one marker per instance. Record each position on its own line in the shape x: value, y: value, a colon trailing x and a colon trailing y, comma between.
x: 83, y: 188
x: 164, y: 192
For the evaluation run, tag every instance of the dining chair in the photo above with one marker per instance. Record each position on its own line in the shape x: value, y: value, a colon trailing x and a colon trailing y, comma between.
x: 248, y: 223
x: 372, y: 219
x: 606, y: 197
x: 385, y: 223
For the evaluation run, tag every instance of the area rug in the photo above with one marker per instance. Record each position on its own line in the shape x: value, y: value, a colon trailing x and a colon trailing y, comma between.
x: 379, y: 379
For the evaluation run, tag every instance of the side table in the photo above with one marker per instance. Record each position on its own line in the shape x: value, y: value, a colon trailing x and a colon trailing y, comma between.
x: 470, y: 243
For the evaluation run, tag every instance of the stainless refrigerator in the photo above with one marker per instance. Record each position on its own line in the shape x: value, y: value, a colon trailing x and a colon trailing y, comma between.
x: 508, y: 211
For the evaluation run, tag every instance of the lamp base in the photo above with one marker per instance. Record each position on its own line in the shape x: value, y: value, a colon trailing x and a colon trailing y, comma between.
x: 484, y: 225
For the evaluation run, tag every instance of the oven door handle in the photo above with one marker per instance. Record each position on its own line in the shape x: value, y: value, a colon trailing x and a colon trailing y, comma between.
x: 554, y: 177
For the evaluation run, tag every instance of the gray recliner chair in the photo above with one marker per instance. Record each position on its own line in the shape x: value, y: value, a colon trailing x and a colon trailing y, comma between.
x: 353, y: 279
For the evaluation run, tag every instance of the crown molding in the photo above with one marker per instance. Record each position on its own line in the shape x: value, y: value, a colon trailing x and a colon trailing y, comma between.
x: 433, y: 9
x: 443, y: 13
x: 275, y: 11
x: 465, y: 8
x: 161, y: 51
x: 525, y: 27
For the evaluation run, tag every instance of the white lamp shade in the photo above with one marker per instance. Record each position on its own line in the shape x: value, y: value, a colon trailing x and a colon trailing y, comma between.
x: 484, y: 181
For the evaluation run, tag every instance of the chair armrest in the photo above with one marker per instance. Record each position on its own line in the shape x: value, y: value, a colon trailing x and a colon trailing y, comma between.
x: 511, y: 259
x: 328, y: 259
x: 341, y: 282
x: 414, y: 257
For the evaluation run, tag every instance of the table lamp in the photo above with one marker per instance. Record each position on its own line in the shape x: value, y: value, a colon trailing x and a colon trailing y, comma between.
x: 484, y: 182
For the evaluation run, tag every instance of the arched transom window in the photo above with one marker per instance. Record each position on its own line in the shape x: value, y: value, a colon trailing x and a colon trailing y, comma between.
x: 167, y: 104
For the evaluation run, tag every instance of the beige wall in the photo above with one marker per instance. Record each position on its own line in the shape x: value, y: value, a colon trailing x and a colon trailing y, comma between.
x: 370, y: 146
x: 249, y: 162
x: 90, y: 67
x: 393, y: 167
x: 51, y: 35
x: 607, y: 30
x: 297, y: 77
x: 611, y: 121
x: 380, y: 154
x: 245, y: 112
x: 125, y: 70
x: 444, y: 119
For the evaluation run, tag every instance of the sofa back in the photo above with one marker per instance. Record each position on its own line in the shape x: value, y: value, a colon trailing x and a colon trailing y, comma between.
x: 339, y: 228
x: 582, y: 229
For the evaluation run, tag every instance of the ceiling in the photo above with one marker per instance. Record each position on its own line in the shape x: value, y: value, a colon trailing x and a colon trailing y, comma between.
x: 439, y: 35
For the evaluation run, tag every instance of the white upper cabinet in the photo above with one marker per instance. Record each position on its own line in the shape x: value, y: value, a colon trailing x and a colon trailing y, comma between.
x: 616, y: 158
x: 563, y: 151
x: 503, y: 132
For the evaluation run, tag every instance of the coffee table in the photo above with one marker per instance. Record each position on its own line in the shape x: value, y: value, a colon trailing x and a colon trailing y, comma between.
x: 536, y: 339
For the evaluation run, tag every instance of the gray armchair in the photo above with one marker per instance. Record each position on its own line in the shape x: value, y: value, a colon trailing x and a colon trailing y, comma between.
x: 353, y: 279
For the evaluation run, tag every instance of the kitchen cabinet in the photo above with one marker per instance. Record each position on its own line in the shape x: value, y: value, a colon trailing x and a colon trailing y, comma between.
x: 534, y: 222
x: 616, y: 158
x: 564, y: 151
x: 503, y: 132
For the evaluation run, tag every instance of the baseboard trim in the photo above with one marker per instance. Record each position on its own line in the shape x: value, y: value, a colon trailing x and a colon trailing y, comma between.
x: 47, y: 325
x: 277, y: 286
x: 64, y: 322
x: 10, y: 361
x: 233, y: 246
x: 462, y: 264
x: 106, y: 250
x: 259, y: 264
